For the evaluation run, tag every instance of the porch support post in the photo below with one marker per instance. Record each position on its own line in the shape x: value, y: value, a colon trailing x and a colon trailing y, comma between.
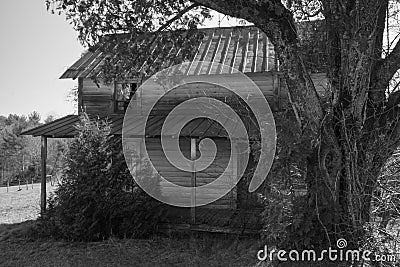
x: 193, y: 180
x: 44, y: 174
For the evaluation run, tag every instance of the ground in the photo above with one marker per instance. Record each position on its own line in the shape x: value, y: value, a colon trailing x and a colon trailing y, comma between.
x: 160, y: 251
x: 18, y: 206
x: 19, y: 209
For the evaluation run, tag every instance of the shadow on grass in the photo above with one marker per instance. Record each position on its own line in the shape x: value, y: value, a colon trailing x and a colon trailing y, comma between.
x: 18, y: 231
x: 20, y: 246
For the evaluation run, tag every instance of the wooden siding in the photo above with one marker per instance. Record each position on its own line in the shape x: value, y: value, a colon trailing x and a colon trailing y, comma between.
x: 182, y: 93
x: 96, y: 99
x: 182, y: 178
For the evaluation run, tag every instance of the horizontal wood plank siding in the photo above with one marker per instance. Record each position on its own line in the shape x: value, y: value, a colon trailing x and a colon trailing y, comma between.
x: 182, y: 178
x: 208, y: 89
x: 96, y: 98
x: 90, y: 86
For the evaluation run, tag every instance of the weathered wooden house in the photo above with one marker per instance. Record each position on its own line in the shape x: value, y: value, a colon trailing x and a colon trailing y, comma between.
x: 246, y: 49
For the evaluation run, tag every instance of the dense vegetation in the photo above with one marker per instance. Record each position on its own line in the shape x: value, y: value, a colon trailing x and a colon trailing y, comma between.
x: 97, y: 197
x: 20, y: 155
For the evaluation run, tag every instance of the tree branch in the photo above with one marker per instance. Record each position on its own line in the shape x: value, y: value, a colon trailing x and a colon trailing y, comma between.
x: 177, y: 16
x: 257, y: 12
x: 377, y: 94
x: 230, y: 9
x: 170, y: 21
x: 163, y: 27
x: 388, y: 67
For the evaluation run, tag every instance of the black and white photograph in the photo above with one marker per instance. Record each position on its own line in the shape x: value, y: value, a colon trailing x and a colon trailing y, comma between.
x: 249, y: 133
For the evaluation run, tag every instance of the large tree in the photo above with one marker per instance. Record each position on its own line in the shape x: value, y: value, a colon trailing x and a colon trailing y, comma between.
x: 350, y: 135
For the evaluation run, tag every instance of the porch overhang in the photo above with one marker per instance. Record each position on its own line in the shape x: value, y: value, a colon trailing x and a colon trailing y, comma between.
x: 65, y: 127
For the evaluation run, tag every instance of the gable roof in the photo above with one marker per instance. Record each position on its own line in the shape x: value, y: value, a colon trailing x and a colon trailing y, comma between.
x: 245, y: 48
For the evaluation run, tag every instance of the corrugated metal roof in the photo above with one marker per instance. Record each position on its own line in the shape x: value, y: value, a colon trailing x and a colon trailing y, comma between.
x: 65, y: 127
x: 62, y: 127
x: 244, y: 48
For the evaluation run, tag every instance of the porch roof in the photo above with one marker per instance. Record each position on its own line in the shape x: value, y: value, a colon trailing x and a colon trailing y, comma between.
x: 65, y: 127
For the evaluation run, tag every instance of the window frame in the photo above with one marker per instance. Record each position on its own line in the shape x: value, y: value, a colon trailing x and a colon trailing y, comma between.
x: 116, y: 103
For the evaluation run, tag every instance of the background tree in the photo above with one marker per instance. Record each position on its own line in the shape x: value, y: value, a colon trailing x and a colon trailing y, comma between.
x: 346, y: 138
x: 34, y: 119
x: 49, y: 118
x: 20, y: 155
x: 13, y: 144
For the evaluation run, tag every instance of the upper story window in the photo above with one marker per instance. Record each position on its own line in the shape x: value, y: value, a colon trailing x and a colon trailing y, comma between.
x: 123, y: 93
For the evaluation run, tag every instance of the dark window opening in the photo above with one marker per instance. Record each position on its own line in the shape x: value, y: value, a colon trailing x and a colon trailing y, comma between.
x: 124, y: 92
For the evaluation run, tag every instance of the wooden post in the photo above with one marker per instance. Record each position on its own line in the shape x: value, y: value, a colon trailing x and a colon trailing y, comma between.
x: 235, y: 174
x: 2, y: 170
x: 23, y: 171
x: 35, y: 170
x: 193, y: 180
x: 138, y: 151
x: 8, y: 178
x: 19, y: 180
x: 43, y: 181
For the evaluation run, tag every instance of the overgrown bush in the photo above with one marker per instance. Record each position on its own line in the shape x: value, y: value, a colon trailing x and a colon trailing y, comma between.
x: 97, y: 197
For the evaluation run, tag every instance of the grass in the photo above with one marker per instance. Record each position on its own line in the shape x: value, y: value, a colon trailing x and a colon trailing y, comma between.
x: 17, y: 250
x: 18, y: 206
x: 18, y: 247
x: 20, y: 209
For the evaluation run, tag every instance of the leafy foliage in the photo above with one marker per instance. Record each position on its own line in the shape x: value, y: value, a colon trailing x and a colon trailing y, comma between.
x: 20, y: 155
x: 94, y: 201
x: 284, y: 196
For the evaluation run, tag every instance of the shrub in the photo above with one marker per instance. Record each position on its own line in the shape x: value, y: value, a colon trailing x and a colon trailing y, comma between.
x: 93, y: 201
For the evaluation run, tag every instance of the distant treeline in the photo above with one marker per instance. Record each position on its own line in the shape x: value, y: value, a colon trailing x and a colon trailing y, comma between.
x: 20, y: 155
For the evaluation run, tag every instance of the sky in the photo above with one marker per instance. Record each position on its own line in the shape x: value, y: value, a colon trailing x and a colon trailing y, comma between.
x: 36, y: 48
